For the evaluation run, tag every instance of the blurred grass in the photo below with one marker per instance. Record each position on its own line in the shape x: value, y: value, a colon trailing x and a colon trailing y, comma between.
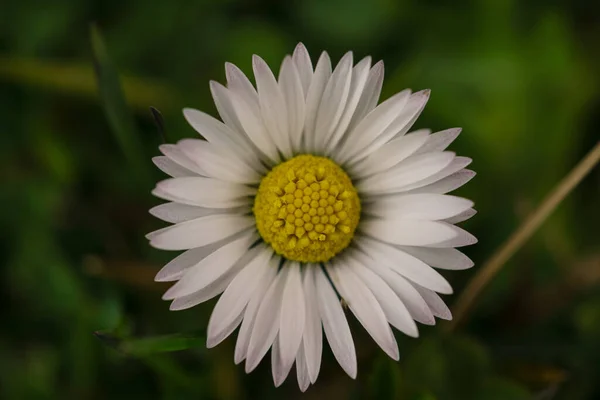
x: 519, y: 77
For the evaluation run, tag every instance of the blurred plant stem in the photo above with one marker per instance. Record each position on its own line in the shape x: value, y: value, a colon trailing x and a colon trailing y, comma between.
x: 520, y: 237
x: 117, y: 113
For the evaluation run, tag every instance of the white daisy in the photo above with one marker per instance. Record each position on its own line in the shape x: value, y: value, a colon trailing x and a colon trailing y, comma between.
x: 309, y: 191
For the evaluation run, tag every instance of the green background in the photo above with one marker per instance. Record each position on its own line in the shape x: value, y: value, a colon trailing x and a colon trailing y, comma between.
x: 521, y: 78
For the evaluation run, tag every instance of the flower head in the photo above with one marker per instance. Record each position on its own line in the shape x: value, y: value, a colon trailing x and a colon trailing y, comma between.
x: 309, y: 190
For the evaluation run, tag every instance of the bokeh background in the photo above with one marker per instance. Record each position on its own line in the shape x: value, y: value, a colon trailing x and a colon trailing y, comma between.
x: 81, y: 317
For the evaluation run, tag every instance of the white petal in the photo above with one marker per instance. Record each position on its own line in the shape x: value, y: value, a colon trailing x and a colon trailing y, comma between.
x: 224, y: 318
x: 211, y: 268
x: 440, y: 141
x: 175, y: 269
x: 176, y: 212
x: 461, y: 238
x: 364, y: 306
x: 408, y: 232
x: 403, y: 121
x: 248, y: 112
x: 435, y: 303
x: 370, y: 95
x: 304, y: 66
x: 238, y: 82
x: 463, y: 216
x: 333, y: 101
x: 335, y: 325
x: 199, y: 232
x: 440, y: 258
x: 360, y: 74
x: 266, y: 325
x: 272, y: 105
x: 222, y: 135
x: 302, y: 371
x: 204, y: 192
x: 312, y: 339
x: 390, y: 155
x: 217, y: 162
x: 447, y: 184
x: 455, y: 165
x: 416, y: 305
x: 422, y: 206
x: 225, y: 108
x: 170, y: 167
x: 289, y: 81
x: 202, y: 295
x: 313, y: 100
x: 372, y: 126
x: 175, y: 154
x: 280, y: 370
x: 406, y: 265
x: 243, y: 340
x: 395, y: 311
x: 293, y: 316
x: 414, y: 169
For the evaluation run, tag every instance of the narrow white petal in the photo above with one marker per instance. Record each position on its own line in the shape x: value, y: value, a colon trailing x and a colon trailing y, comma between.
x: 293, y: 316
x: 217, y: 162
x: 304, y: 65
x: 266, y: 325
x: 360, y: 74
x: 408, y: 174
x: 390, y: 155
x: 280, y: 370
x: 335, y: 325
x: 461, y: 238
x: 424, y: 206
x: 313, y: 332
x: 313, y: 100
x: 416, y: 305
x: 211, y: 268
x: 440, y: 141
x: 364, y: 306
x: 175, y: 269
x: 171, y: 168
x: 248, y: 112
x: 403, y: 121
x: 435, y: 302
x: 302, y: 371
x: 406, y: 265
x: 243, y: 340
x: 291, y: 86
x: 204, y: 192
x: 333, y: 101
x: 231, y: 305
x: 176, y: 212
x: 238, y: 82
x: 447, y: 184
x: 225, y: 109
x: 222, y: 135
x: 408, y: 232
x: 369, y: 96
x: 272, y: 105
x: 440, y: 258
x: 175, y: 154
x: 372, y: 126
x: 199, y: 232
x: 463, y: 216
x: 457, y: 164
x: 395, y: 311
x: 202, y: 295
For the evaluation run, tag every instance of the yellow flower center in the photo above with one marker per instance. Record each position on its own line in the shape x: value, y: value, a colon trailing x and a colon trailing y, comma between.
x: 307, y: 209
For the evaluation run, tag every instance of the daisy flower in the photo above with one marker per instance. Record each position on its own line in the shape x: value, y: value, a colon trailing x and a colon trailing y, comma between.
x: 307, y: 193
